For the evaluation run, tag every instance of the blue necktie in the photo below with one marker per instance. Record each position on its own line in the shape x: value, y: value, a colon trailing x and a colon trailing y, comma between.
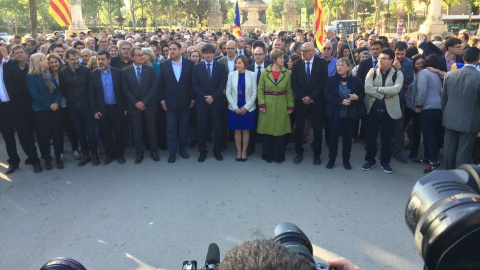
x: 209, y: 71
x: 308, y: 73
x: 139, y: 75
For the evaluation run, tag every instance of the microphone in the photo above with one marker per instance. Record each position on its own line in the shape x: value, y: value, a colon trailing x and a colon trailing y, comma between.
x: 213, y: 256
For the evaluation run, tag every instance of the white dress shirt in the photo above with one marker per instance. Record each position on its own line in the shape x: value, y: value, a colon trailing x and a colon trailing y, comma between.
x: 3, y: 91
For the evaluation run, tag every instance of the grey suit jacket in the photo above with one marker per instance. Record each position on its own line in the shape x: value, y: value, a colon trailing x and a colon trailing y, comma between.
x: 461, y: 100
x: 135, y: 92
x: 389, y: 92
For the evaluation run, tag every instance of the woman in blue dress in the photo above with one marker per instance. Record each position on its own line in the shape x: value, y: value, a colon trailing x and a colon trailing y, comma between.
x: 241, y: 93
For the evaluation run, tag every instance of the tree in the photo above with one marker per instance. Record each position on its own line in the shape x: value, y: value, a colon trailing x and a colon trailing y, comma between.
x: 15, y: 8
x: 226, y: 7
x: 32, y: 5
x: 274, y: 12
x: 427, y: 3
x: 196, y: 8
x: 409, y: 9
x: 110, y: 6
x: 447, y: 4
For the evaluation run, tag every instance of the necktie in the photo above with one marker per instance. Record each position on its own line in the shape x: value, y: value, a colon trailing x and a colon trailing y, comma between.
x: 308, y: 73
x: 375, y: 64
x: 259, y: 73
x: 139, y: 75
x: 209, y: 71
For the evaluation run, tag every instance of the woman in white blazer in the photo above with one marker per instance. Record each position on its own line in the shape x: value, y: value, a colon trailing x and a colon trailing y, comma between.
x: 241, y: 93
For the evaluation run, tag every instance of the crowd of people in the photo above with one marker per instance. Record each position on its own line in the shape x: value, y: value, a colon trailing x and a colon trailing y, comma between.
x: 173, y: 90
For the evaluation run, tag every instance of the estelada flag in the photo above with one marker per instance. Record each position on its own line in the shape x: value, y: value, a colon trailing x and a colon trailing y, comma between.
x: 60, y: 11
x: 236, y: 22
x: 319, y: 28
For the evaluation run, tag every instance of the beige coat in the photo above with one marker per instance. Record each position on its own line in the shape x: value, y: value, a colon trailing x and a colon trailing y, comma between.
x: 389, y: 92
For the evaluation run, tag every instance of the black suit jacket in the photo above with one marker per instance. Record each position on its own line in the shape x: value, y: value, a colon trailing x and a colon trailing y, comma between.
x: 116, y: 62
x: 251, y: 67
x: 16, y: 84
x: 96, y: 94
x: 203, y: 86
x: 266, y: 61
x: 430, y: 48
x: 134, y: 92
x: 318, y: 77
x: 177, y: 95
x: 363, y: 68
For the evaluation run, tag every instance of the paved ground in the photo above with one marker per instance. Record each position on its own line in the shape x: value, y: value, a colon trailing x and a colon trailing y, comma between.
x: 156, y: 215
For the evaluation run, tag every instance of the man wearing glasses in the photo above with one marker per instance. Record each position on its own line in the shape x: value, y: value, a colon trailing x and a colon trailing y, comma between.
x: 327, y: 51
x: 451, y: 56
x: 308, y: 80
x: 382, y: 85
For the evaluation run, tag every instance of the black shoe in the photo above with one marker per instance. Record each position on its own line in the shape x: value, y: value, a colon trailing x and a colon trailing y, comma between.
x: 367, y: 166
x: 11, y: 169
x: 171, y: 158
x: 121, y: 159
x: 48, y: 164
x: 139, y: 159
x: 85, y: 159
x: 316, y: 160
x: 386, y: 168
x: 269, y: 160
x: 400, y: 159
x: 278, y: 161
x: 184, y: 155
x: 250, y: 151
x: 330, y: 164
x: 27, y: 161
x: 154, y: 156
x: 202, y: 157
x: 95, y: 160
x: 298, y: 159
x: 347, y: 165
x: 37, y: 168
x: 218, y: 156
x: 107, y: 160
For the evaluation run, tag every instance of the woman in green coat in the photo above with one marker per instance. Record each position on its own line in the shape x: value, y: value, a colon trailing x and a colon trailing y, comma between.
x: 275, y: 100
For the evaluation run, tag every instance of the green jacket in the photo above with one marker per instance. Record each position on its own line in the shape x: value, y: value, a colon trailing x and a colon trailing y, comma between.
x: 276, y: 98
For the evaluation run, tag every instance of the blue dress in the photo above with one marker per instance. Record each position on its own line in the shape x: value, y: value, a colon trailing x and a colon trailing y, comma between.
x: 238, y: 121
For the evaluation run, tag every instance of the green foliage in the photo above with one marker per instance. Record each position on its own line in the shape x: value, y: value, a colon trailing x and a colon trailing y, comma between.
x: 408, y: 5
x: 196, y: 8
x: 274, y: 12
x: 447, y: 4
x: 227, y: 7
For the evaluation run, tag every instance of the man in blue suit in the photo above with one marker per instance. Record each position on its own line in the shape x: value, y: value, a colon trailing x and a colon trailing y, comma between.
x: 209, y: 80
x: 175, y: 93
x: 106, y: 105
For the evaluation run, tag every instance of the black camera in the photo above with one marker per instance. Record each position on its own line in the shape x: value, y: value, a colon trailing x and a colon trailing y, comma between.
x: 211, y: 261
x: 62, y: 263
x: 291, y: 237
x: 443, y: 213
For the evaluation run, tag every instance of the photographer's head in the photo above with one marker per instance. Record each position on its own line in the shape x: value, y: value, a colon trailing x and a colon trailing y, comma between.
x: 263, y: 254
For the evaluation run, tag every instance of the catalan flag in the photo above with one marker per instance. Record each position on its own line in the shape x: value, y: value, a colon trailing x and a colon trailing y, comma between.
x: 319, y: 27
x: 60, y: 11
x: 236, y: 27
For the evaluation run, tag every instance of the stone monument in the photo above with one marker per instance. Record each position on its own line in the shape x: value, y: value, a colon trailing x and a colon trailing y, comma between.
x: 289, y: 15
x: 77, y: 21
x: 215, y: 16
x: 434, y: 25
x: 253, y: 14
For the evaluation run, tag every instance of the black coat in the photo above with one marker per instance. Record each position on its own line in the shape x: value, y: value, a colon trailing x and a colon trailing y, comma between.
x: 15, y: 81
x: 334, y: 101
x: 74, y: 86
x: 145, y: 92
x: 318, y: 77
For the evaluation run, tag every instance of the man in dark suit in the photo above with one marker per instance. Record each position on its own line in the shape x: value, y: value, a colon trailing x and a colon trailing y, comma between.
x: 241, y: 46
x: 175, y: 93
x: 106, y: 105
x: 31, y: 47
x: 209, y: 80
x: 308, y: 80
x: 258, y: 65
x: 461, y: 111
x: 139, y: 89
x: 16, y: 109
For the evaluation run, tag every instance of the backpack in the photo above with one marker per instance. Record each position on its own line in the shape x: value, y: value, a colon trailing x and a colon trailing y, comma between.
x: 394, y: 77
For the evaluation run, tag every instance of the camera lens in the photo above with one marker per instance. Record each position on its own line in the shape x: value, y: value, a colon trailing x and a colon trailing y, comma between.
x: 62, y: 263
x: 443, y: 213
x: 294, y: 240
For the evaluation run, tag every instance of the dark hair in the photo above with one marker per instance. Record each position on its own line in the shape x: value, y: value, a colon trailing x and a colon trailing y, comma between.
x: 466, y: 36
x: 32, y: 41
x: 53, y: 46
x: 411, y: 52
x: 132, y: 51
x: 258, y: 43
x: 384, y: 39
x: 70, y: 52
x: 432, y: 61
x: 76, y: 43
x: 153, y: 42
x: 176, y: 44
x: 389, y: 52
x: 208, y: 48
x: 295, y: 57
x: 377, y: 42
x: 17, y: 37
x: 163, y: 46
x: 106, y: 53
x: 244, y: 60
x: 415, y: 58
x: 451, y: 42
x: 17, y: 47
x: 361, y: 49
x: 471, y: 55
x: 401, y: 46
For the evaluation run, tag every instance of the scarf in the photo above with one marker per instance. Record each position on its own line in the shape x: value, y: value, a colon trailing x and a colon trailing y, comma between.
x: 47, y: 77
x: 336, y: 80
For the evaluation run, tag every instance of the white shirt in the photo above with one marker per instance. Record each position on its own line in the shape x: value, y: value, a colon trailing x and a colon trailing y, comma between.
x: 3, y: 91
x: 231, y: 64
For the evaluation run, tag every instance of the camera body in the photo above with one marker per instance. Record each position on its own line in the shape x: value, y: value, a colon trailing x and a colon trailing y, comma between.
x: 192, y: 265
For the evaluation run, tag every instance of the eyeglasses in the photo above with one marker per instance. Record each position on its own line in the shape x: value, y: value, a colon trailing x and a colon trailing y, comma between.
x: 305, y: 51
x: 326, y: 48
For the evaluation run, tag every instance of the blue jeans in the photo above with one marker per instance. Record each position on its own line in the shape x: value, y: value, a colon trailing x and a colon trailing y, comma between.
x: 83, y: 122
x: 375, y: 122
x: 177, y: 127
x: 429, y: 120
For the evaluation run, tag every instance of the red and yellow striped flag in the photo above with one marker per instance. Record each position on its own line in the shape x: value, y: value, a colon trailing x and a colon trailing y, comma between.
x: 319, y: 27
x: 60, y: 11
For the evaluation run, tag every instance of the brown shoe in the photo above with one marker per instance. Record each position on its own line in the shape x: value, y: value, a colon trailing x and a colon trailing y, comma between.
x: 139, y: 158
x: 85, y: 159
x: 59, y: 163
x: 155, y: 156
x: 48, y: 164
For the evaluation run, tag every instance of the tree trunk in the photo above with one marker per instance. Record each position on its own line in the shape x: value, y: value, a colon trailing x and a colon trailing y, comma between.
x: 32, y: 4
x: 16, y: 24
